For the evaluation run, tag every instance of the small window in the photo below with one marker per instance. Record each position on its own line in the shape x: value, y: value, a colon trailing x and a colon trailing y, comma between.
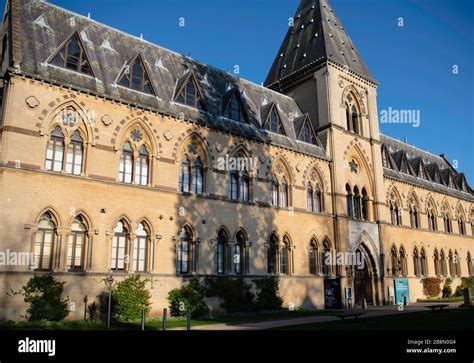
x: 73, y: 56
x: 126, y: 164
x: 234, y: 109
x: 74, y: 155
x: 273, y: 122
x: 136, y: 77
x: 307, y: 134
x: 189, y: 94
x: 55, y: 151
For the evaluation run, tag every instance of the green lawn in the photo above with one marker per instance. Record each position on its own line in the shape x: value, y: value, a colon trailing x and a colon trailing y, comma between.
x: 156, y: 324
x: 429, y: 320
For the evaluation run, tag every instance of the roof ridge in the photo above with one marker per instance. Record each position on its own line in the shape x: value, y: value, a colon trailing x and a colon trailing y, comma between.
x: 205, y: 65
x: 414, y: 147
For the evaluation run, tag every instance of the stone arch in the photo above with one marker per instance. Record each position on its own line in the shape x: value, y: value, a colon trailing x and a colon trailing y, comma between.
x: 147, y: 139
x: 352, y: 90
x: 281, y: 167
x: 460, y: 212
x: 187, y: 224
x: 394, y: 195
x: 84, y: 214
x: 126, y: 219
x: 431, y: 204
x: 241, y: 148
x: 356, y: 151
x: 224, y: 228
x: 243, y: 231
x: 54, y: 214
x: 145, y: 121
x: 54, y: 107
x: 147, y: 222
x: 367, y: 243
x: 203, y: 150
x: 314, y: 168
x: 446, y: 208
x: 413, y: 199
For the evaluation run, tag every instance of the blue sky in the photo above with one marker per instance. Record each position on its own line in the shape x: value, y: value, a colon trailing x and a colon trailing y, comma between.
x: 413, y: 64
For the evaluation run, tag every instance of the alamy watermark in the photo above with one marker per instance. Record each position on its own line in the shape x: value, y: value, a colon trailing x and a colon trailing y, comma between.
x: 14, y: 258
x: 229, y: 163
x: 393, y: 116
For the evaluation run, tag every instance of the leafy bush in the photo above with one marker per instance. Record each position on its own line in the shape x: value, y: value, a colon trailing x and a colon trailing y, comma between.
x: 466, y: 282
x: 189, y: 297
x: 268, y: 297
x: 447, y: 291
x: 130, y: 296
x: 43, y: 294
x: 92, y: 311
x: 236, y: 293
x: 431, y: 286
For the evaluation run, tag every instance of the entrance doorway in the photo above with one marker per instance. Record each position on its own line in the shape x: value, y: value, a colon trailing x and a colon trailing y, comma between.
x: 363, y: 279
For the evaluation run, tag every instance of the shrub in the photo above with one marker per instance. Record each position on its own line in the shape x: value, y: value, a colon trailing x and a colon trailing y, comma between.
x: 92, y: 311
x: 130, y: 296
x: 268, y: 297
x: 43, y: 294
x: 466, y: 282
x: 431, y: 286
x: 447, y: 291
x: 189, y: 297
x: 236, y: 293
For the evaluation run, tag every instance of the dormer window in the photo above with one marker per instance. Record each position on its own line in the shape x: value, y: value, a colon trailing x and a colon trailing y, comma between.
x: 73, y: 56
x: 273, y: 122
x: 307, y: 133
x: 385, y: 159
x: 404, y: 165
x: 421, y: 171
x: 451, y: 181
x: 189, y: 93
x: 135, y: 76
x: 234, y: 109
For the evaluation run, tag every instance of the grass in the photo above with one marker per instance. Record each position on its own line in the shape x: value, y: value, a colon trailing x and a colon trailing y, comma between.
x: 430, y: 320
x: 157, y: 324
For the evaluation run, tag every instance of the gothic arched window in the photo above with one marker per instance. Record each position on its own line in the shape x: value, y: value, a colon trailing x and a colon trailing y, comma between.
x: 185, y: 252
x: 55, y: 152
x: 221, y: 252
x: 140, y: 248
x: 349, y: 202
x: 44, y: 243
x: 274, y: 189
x: 141, y: 167
x: 74, y: 154
x: 126, y: 164
x: 272, y: 255
x: 76, y: 244
x: 313, y: 257
x: 120, y: 247
x: 283, y: 193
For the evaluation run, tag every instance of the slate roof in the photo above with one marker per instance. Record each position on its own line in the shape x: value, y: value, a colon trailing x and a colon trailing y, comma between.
x: 316, y: 36
x: 43, y: 27
x: 397, y: 150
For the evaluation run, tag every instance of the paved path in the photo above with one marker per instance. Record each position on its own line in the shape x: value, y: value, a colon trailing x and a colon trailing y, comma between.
x: 370, y: 312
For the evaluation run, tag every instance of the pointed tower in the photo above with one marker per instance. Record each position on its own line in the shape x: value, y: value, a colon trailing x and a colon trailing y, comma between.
x: 319, y: 66
x: 317, y: 36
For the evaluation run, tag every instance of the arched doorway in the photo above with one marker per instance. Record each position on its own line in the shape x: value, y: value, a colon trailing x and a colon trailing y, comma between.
x: 364, y: 277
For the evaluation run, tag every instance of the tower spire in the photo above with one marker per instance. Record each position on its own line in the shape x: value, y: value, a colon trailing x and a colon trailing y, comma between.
x: 316, y: 36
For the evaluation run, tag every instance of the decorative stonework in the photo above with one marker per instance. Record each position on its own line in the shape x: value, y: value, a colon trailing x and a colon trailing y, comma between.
x: 219, y: 147
x: 168, y: 135
x: 32, y: 102
x: 136, y: 135
x: 107, y: 120
x: 262, y: 158
x: 341, y: 83
x: 298, y: 167
x: 68, y: 117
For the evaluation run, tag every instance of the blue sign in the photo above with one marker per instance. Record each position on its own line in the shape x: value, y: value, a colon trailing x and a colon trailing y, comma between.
x: 401, y: 291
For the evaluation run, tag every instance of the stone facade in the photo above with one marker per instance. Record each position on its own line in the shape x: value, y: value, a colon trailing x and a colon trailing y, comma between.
x: 32, y: 108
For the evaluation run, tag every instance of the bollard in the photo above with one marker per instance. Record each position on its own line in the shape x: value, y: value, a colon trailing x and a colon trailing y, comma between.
x: 188, y: 321
x: 404, y: 301
x: 143, y: 318
x: 165, y: 317
x: 364, y: 304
